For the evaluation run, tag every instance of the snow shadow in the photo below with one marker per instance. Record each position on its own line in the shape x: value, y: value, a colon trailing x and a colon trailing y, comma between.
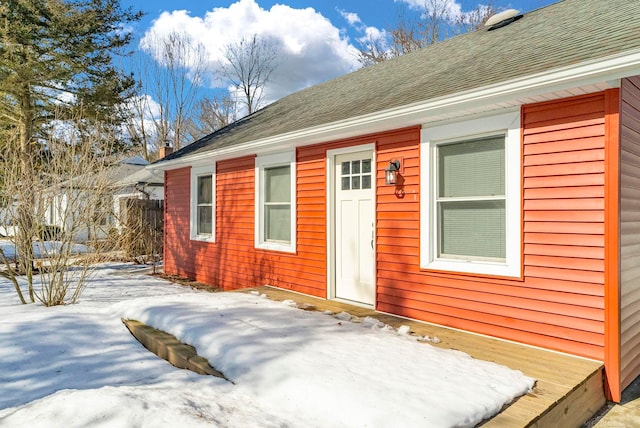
x: 44, y: 355
x: 240, y: 340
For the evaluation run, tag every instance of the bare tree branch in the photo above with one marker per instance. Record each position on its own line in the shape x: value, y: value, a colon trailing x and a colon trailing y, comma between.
x: 170, y: 75
x: 211, y: 114
x: 249, y: 64
x: 414, y: 30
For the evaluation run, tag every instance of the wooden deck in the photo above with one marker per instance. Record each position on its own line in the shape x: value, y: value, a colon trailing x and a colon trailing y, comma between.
x: 568, y: 391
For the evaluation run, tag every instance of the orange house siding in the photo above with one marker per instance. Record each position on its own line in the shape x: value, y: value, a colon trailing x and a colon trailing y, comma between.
x: 177, y: 259
x: 232, y: 261
x: 559, y: 302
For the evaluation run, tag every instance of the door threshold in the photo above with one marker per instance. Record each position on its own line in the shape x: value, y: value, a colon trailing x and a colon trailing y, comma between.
x: 354, y: 303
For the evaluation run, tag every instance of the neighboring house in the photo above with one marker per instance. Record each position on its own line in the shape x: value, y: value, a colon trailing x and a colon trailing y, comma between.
x: 517, y: 208
x: 142, y: 184
x: 127, y: 179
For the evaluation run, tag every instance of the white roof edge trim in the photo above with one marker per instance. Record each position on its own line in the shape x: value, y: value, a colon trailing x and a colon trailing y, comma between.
x: 589, y: 72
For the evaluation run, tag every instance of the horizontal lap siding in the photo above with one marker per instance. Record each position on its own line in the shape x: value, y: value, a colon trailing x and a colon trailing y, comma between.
x: 232, y: 261
x: 177, y: 259
x: 563, y: 211
x: 559, y: 302
x: 224, y: 263
x: 630, y: 231
x: 311, y: 223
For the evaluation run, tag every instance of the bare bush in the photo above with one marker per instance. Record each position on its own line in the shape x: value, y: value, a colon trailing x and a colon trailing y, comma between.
x: 141, y: 231
x: 60, y: 214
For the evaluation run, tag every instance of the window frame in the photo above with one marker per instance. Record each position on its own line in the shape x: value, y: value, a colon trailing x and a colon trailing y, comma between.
x: 263, y: 163
x: 197, y: 172
x: 507, y: 124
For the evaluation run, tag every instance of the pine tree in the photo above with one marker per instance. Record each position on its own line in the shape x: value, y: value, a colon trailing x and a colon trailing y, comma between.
x: 56, y: 62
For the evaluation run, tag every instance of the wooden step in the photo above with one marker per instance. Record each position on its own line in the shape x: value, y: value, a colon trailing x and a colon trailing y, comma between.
x: 169, y: 348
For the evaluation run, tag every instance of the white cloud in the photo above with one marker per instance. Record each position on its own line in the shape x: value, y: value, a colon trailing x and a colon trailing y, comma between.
x: 146, y: 112
x: 312, y: 48
x: 452, y: 7
x: 352, y: 18
x: 372, y: 34
x: 149, y: 108
x: 369, y: 38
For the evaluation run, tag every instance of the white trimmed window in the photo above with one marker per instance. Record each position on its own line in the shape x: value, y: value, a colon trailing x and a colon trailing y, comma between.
x: 470, y: 202
x: 203, y: 203
x: 275, y: 217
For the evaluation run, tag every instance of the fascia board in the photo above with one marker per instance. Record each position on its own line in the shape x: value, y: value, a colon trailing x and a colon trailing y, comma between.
x: 608, y: 69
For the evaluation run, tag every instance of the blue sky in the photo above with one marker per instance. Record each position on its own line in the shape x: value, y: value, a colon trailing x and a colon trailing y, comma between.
x: 380, y: 13
x: 319, y: 38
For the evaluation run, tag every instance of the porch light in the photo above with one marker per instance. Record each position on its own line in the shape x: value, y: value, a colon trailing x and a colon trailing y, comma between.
x: 391, y: 172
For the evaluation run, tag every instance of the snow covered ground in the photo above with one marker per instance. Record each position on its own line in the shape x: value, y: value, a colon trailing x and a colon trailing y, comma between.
x: 41, y: 249
x: 78, y: 366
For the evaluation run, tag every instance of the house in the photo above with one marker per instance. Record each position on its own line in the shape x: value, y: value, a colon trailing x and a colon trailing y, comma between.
x: 142, y: 184
x: 516, y: 211
x: 66, y: 205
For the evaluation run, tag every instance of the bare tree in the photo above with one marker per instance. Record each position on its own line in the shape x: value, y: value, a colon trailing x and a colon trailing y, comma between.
x: 211, y: 114
x: 476, y: 18
x: 415, y: 29
x: 374, y: 50
x: 170, y: 71
x: 54, y: 54
x: 249, y: 64
x: 139, y: 125
x: 438, y: 19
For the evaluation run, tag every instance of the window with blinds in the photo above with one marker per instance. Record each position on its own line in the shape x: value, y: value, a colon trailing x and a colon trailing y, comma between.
x: 202, y: 216
x: 470, y: 199
x: 277, y: 204
x: 275, y: 216
x: 205, y: 205
x: 470, y: 213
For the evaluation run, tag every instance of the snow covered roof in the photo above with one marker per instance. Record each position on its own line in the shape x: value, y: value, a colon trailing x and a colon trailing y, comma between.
x: 135, y: 160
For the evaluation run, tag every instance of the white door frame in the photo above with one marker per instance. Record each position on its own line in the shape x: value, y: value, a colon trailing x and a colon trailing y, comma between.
x: 331, y: 213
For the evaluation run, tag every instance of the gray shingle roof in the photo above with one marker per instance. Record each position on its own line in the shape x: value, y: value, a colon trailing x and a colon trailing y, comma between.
x: 565, y: 33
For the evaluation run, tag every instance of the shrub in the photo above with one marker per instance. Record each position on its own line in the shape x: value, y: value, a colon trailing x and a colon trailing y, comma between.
x: 50, y: 233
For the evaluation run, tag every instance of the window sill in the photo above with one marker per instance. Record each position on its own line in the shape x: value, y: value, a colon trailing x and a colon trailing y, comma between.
x: 473, y: 267
x: 272, y: 246
x: 203, y: 238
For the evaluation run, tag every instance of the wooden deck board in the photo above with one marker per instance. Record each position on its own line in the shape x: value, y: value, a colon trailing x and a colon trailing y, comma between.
x: 567, y: 387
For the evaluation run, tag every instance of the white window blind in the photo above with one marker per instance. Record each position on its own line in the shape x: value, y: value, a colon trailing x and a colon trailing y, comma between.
x: 470, y: 201
x: 205, y: 205
x: 277, y: 201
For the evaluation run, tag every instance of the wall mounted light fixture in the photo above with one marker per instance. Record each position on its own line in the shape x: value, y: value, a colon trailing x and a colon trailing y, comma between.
x: 391, y: 172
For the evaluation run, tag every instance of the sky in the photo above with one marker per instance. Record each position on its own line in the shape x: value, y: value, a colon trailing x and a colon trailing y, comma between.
x: 318, y: 39
x: 77, y: 365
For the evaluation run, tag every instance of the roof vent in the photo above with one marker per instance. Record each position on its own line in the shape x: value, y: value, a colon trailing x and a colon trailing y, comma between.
x: 501, y: 19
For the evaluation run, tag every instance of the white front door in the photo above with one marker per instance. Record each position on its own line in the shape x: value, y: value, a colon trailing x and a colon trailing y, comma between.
x: 354, y: 215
